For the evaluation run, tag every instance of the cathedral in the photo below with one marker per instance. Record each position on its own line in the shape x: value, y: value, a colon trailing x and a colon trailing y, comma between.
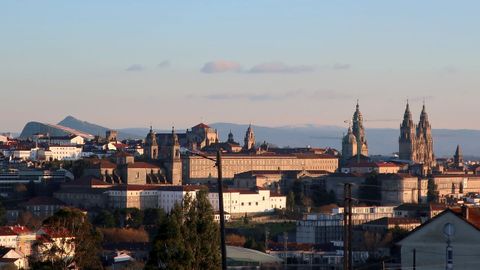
x: 168, y: 154
x: 416, y: 142
x: 355, y: 142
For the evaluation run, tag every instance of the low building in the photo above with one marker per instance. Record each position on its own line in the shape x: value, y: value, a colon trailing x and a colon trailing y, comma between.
x: 387, y: 223
x: 363, y: 214
x: 86, y: 192
x: 454, y: 185
x: 43, y: 206
x: 244, y: 201
x: 370, y: 167
x: 169, y: 196
x: 60, y: 152
x: 397, y: 189
x: 132, y: 196
x: 447, y: 241
x: 319, y: 229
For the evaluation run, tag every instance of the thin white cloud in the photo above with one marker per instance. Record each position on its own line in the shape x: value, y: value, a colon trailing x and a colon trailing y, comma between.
x: 220, y: 66
x: 164, y: 64
x: 340, y: 66
x: 279, y: 67
x: 135, y: 67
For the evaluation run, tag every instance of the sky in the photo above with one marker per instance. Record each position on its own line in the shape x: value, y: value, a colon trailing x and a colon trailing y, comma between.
x: 267, y: 62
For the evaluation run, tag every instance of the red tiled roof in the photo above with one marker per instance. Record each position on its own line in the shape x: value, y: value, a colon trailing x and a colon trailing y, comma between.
x: 122, y: 153
x: 20, y: 229
x: 87, y: 181
x: 141, y: 165
x: 135, y: 187
x: 6, y: 231
x: 103, y: 163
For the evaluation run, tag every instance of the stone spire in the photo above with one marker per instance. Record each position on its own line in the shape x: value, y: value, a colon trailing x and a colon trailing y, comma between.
x: 359, y: 131
x: 458, y: 157
x: 173, y: 162
x: 151, y: 145
x: 230, y: 137
x: 407, y: 139
x: 249, y: 139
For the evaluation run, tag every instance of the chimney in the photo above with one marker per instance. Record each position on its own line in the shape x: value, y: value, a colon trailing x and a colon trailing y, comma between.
x: 465, y: 212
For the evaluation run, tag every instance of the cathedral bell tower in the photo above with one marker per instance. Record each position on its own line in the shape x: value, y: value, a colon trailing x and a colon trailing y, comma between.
x: 173, y: 161
x: 249, y: 139
x: 151, y: 145
x: 407, y: 139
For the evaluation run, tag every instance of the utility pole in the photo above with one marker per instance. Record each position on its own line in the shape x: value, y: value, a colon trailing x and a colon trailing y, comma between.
x: 218, y: 163
x: 266, y: 238
x: 414, y: 267
x: 347, y: 227
x: 285, y: 247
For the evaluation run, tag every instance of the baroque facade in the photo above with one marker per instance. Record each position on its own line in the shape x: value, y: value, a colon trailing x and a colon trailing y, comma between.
x: 355, y: 142
x: 415, y: 141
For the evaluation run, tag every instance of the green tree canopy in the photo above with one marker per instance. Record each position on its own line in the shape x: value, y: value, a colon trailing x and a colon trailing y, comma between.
x: 188, y: 238
x: 74, y: 226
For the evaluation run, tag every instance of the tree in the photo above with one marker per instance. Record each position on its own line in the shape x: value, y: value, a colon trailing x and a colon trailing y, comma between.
x: 79, y: 167
x: 153, y: 216
x: 369, y: 192
x: 169, y: 250
x: 104, y: 219
x: 72, y: 228
x: 202, y: 232
x: 432, y: 192
x: 297, y: 190
x: 3, y: 215
x: 291, y: 202
x: 188, y: 238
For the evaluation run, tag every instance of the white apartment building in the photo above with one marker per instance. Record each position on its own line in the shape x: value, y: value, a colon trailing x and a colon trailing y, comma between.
x: 60, y: 152
x: 168, y: 196
x: 365, y: 214
x: 238, y: 201
x: 59, y: 140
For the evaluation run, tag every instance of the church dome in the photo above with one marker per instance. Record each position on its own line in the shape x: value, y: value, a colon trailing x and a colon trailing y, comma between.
x: 349, y: 138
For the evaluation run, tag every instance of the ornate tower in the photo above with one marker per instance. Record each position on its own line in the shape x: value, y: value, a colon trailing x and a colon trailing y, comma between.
x: 151, y: 145
x: 458, y: 157
x: 249, y: 139
x: 359, y: 131
x: 407, y: 139
x: 230, y: 137
x: 173, y: 161
x: 424, y: 136
x: 349, y: 145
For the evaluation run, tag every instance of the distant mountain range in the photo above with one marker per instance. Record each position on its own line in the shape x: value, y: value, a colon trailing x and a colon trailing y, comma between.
x: 381, y: 141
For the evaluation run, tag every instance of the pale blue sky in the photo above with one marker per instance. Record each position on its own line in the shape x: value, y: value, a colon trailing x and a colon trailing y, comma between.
x: 132, y: 63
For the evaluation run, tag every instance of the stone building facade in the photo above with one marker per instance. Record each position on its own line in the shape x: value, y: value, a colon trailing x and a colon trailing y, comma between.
x: 415, y: 141
x: 198, y: 168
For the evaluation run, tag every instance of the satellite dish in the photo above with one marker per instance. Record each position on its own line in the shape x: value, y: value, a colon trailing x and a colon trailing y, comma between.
x: 449, y: 229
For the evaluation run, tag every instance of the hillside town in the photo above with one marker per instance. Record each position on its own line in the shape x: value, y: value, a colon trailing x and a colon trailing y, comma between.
x: 331, y: 208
